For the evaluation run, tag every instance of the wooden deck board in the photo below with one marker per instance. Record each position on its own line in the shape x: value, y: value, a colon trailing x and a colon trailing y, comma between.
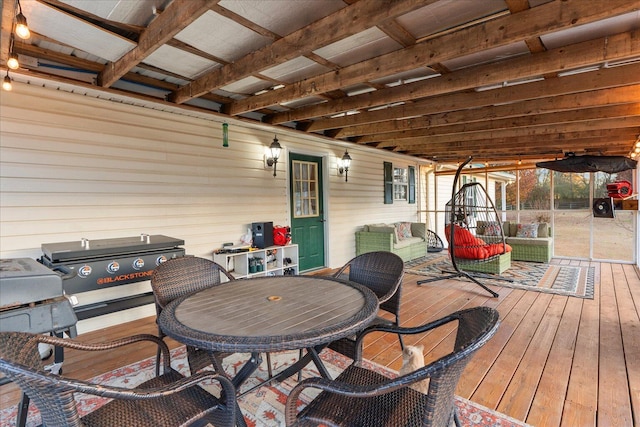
x: 492, y: 389
x: 548, y: 401
x: 630, y: 330
x: 581, y: 400
x: 556, y: 361
x: 517, y: 399
x: 614, y: 405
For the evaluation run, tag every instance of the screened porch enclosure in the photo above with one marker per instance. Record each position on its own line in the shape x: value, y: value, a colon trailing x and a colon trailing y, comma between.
x: 564, y: 200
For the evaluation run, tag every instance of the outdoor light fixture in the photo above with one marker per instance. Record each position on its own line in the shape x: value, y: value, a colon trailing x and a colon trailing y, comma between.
x: 271, y: 159
x: 343, y: 165
x: 225, y: 134
x: 22, y: 29
x: 12, y: 62
x: 6, y: 83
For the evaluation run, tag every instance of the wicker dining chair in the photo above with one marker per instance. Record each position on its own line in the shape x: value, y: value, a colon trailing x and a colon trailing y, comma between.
x: 169, y: 399
x: 382, y: 272
x: 360, y: 397
x: 181, y: 276
x: 186, y: 275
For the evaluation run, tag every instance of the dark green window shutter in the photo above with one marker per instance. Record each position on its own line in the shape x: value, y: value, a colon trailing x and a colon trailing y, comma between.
x: 412, y: 184
x: 388, y: 183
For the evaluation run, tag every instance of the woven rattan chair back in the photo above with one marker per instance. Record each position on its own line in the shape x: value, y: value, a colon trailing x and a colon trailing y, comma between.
x: 158, y: 401
x: 185, y: 275
x: 382, y: 272
x: 361, y: 396
x: 182, y: 276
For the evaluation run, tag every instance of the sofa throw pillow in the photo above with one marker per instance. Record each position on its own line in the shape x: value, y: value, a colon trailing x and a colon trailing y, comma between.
x: 404, y: 230
x: 493, y: 229
x: 527, y: 230
x: 543, y: 229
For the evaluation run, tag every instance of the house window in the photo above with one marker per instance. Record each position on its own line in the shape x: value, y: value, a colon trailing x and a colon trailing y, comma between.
x: 400, y: 184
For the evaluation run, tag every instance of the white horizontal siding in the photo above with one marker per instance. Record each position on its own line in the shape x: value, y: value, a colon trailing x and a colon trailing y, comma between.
x: 74, y: 167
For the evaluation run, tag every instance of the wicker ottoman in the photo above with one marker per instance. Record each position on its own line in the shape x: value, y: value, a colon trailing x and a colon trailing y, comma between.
x: 496, y: 265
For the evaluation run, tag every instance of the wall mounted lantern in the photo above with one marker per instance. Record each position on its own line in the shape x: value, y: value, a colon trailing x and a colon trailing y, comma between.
x: 343, y: 165
x: 271, y: 158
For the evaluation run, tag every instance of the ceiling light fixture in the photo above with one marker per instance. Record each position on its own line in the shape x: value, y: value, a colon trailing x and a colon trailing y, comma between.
x: 6, y: 83
x: 343, y: 165
x: 22, y: 29
x: 271, y: 159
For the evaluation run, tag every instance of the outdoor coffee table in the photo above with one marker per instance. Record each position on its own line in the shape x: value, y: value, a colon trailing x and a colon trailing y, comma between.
x: 269, y: 314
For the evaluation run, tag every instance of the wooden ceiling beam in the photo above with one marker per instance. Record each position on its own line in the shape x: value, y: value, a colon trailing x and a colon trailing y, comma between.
x: 571, y: 102
x: 346, y: 21
x: 603, y: 78
x: 501, y: 31
x: 177, y: 16
x: 524, y: 133
x: 526, y: 121
x: 518, y: 150
x: 617, y: 47
x: 519, y: 144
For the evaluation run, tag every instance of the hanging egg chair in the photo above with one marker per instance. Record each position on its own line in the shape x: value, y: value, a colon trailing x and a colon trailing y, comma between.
x: 473, y: 230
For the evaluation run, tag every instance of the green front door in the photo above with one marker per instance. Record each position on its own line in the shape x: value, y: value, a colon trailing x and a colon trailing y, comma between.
x: 307, y: 212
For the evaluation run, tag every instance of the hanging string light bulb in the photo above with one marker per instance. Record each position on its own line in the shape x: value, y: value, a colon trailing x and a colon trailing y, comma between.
x: 22, y: 29
x: 6, y: 83
x: 12, y: 62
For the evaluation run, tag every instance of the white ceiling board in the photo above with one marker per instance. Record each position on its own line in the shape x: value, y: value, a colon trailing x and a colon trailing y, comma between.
x: 443, y: 15
x: 411, y: 75
x: 221, y: 37
x: 159, y: 76
x: 282, y: 16
x: 294, y: 70
x: 138, y: 12
x: 180, y: 62
x: 247, y: 86
x: 359, y: 47
x: 68, y: 30
x: 595, y: 30
x: 487, y: 56
x: 230, y: 95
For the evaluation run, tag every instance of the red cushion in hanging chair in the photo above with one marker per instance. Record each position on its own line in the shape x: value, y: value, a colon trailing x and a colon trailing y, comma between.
x: 471, y: 252
x: 467, y: 246
x: 497, y: 249
x: 463, y: 237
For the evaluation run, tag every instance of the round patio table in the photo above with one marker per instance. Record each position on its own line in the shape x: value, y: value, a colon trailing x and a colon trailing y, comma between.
x: 270, y: 314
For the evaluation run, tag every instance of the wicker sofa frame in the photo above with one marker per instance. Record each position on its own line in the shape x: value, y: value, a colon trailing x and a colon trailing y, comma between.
x: 532, y: 249
x: 373, y: 241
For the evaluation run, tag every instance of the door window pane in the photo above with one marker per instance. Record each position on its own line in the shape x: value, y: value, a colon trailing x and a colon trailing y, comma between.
x: 305, y: 187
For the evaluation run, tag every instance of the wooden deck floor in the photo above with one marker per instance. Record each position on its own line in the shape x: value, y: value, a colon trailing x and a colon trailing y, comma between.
x: 555, y: 361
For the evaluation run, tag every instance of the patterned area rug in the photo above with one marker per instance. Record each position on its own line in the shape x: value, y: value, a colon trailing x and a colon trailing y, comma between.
x: 263, y: 407
x: 569, y: 280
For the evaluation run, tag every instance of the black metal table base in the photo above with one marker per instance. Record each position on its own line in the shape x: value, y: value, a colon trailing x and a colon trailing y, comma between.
x: 249, y: 368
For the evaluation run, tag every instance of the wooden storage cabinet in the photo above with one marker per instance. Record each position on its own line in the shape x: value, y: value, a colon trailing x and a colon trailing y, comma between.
x: 271, y: 261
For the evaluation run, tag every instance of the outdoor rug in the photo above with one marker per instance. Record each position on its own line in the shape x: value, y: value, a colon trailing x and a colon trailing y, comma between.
x: 576, y: 281
x: 264, y: 406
